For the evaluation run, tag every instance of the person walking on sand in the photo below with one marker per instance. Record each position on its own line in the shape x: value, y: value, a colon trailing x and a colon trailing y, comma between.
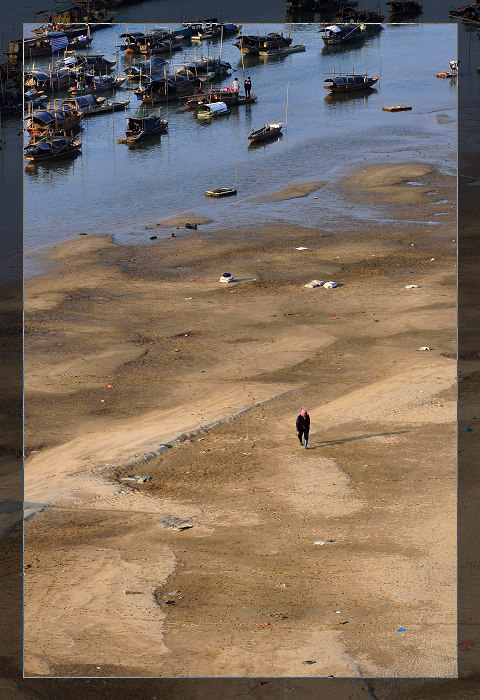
x: 303, y: 427
x: 248, y: 86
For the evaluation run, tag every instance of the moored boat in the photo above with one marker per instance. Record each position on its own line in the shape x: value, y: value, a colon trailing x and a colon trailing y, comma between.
x: 214, y: 109
x: 52, y: 148
x: 342, y: 84
x: 405, y: 7
x: 141, y: 126
x: 336, y: 34
x: 396, y: 108
x: 254, y: 43
x: 54, y: 120
x: 267, y: 132
x: 283, y: 50
x: 90, y: 104
x: 221, y: 192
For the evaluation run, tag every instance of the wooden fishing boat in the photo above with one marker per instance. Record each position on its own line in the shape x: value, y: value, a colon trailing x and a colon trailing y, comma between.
x: 267, y: 132
x: 230, y: 97
x: 405, y: 7
x: 51, y: 80
x: 396, y: 108
x: 254, y: 43
x: 447, y: 74
x: 283, y: 50
x: 221, y: 192
x: 95, y: 83
x: 54, y: 120
x: 342, y: 84
x: 336, y: 34
x: 142, y: 126
x: 90, y: 104
x: 35, y: 46
x: 214, y: 109
x: 52, y: 148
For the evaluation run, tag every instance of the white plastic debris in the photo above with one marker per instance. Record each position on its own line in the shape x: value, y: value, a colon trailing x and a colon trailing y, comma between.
x: 301, y: 248
x: 226, y: 277
x: 424, y: 347
x: 412, y: 286
x: 319, y: 542
x: 330, y: 285
x: 315, y: 283
x: 432, y: 259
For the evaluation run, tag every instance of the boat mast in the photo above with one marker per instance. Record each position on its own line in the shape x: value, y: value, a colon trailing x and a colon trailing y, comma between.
x: 286, y: 109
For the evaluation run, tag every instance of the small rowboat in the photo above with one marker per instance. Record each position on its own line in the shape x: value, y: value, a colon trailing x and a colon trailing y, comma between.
x: 283, y: 50
x: 221, y: 192
x: 269, y: 131
x: 396, y: 108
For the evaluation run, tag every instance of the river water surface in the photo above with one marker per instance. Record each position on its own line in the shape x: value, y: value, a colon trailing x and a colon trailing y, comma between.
x: 115, y: 189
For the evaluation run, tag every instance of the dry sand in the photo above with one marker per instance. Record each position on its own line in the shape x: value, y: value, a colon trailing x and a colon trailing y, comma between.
x: 206, y: 381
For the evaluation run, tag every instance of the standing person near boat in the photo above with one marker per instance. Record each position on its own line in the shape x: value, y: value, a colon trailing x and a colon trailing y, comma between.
x: 248, y: 86
x: 236, y: 84
x: 303, y: 427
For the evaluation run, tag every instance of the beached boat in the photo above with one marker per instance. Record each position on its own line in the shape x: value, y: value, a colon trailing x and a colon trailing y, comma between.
x: 342, y: 84
x: 142, y: 126
x: 254, y: 43
x: 52, y: 148
x: 283, y: 50
x: 90, y: 104
x: 221, y: 192
x: 215, y: 109
x: 267, y: 132
x: 396, y: 108
x: 54, y: 120
x: 336, y: 34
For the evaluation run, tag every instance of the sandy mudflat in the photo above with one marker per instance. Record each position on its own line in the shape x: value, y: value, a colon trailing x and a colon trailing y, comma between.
x: 206, y: 381
x: 292, y: 192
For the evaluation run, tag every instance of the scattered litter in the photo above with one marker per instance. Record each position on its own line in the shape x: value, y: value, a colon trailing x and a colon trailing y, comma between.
x: 246, y: 453
x: 264, y: 624
x: 330, y: 285
x: 137, y: 479
x: 301, y: 248
x: 412, y: 286
x: 420, y: 566
x: 401, y: 629
x: 127, y: 592
x: 188, y: 298
x: 188, y: 225
x: 102, y: 400
x: 192, y: 279
x: 335, y: 318
x: 170, y: 602
x: 109, y: 386
x: 345, y: 622
x: 319, y: 542
x: 279, y: 615
x: 288, y: 690
x: 431, y: 259
x: 226, y: 406
x: 315, y: 283
x: 175, y: 593
x: 468, y: 430
x: 310, y: 661
x: 338, y: 612
x: 399, y: 593
x: 173, y: 522
x: 424, y: 347
x: 226, y: 277
x: 464, y: 645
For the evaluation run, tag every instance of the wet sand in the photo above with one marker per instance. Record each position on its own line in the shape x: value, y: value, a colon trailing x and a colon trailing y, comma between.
x: 138, y: 361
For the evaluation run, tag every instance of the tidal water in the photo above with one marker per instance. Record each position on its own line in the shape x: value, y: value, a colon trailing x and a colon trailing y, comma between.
x: 116, y: 189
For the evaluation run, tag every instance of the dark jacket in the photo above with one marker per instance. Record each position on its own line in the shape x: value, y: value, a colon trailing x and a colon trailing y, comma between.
x: 303, y: 424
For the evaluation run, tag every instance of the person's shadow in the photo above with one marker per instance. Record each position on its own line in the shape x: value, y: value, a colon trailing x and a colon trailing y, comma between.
x: 341, y: 441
